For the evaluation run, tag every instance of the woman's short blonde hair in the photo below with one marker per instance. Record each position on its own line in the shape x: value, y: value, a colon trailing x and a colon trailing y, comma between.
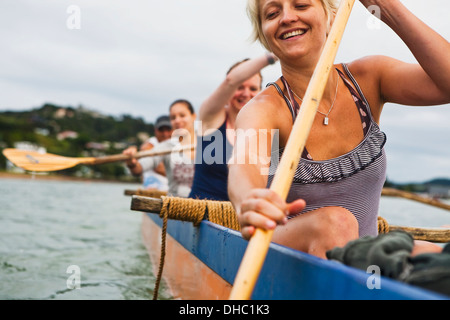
x: 254, y: 14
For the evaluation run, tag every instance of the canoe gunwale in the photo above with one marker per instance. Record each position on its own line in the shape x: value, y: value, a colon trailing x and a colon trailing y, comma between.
x: 318, y: 279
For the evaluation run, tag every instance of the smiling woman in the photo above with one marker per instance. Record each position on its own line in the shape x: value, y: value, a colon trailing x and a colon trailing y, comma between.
x: 270, y: 10
x: 218, y: 115
x: 336, y: 189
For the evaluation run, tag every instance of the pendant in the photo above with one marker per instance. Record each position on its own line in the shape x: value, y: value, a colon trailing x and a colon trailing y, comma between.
x: 325, y: 121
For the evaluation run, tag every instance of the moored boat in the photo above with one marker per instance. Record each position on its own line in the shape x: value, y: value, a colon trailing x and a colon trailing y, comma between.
x: 201, y: 262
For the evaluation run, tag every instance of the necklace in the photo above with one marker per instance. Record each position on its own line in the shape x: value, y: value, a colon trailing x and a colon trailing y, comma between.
x: 326, y: 119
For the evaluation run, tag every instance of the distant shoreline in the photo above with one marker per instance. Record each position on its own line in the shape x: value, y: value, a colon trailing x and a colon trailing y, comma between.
x: 37, y: 176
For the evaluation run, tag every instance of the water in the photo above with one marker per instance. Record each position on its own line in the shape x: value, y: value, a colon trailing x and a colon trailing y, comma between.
x: 48, y: 226
x: 405, y: 212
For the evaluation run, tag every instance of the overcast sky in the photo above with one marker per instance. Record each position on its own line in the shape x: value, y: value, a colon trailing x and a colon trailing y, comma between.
x: 137, y: 56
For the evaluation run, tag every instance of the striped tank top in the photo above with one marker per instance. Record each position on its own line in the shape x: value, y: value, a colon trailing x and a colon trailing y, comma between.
x: 354, y: 180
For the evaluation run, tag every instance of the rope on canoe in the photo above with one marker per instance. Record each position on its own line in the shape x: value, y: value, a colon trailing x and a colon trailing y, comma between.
x: 164, y: 216
x: 193, y: 210
x: 383, y: 225
x: 218, y: 212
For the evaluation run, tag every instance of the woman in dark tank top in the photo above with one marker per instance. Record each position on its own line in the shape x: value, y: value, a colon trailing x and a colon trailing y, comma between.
x: 215, y: 134
x: 211, y: 170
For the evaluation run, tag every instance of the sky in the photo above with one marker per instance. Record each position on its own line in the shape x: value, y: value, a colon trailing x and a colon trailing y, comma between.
x: 135, y: 57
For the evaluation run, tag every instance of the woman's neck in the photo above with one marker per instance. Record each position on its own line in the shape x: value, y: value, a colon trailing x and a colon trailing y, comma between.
x: 299, y: 78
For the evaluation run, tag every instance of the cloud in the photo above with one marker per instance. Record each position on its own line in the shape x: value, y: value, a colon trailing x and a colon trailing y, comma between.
x: 146, y: 50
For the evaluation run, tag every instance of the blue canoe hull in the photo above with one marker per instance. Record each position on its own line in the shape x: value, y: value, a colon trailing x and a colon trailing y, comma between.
x: 286, y: 274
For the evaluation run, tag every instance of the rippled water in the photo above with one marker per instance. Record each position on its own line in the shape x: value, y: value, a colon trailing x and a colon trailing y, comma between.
x: 48, y: 226
x: 404, y: 212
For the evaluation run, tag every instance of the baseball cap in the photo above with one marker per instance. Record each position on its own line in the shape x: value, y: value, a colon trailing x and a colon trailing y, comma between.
x: 163, y: 121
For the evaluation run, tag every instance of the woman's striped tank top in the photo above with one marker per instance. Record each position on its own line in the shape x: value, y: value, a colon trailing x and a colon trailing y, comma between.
x: 354, y: 180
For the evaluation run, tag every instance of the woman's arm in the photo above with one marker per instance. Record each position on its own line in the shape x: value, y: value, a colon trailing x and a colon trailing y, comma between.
x: 160, y: 168
x: 212, y: 109
x: 426, y: 83
x: 133, y: 164
x: 246, y: 183
x: 137, y: 167
x: 256, y: 206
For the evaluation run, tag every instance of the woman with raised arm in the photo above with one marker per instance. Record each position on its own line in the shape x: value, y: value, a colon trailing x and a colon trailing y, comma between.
x: 217, y: 116
x: 335, y: 193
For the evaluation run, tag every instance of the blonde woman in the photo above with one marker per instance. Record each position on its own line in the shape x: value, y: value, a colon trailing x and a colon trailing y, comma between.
x: 336, y: 189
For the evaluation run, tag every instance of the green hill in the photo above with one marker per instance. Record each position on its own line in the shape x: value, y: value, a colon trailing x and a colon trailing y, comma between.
x: 70, y: 131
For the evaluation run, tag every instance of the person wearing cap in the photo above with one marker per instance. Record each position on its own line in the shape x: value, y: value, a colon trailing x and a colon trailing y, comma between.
x: 156, y: 179
x: 179, y: 165
x: 163, y: 131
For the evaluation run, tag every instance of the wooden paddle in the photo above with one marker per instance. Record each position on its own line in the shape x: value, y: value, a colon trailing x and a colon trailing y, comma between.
x: 390, y: 192
x: 36, y: 161
x: 259, y: 243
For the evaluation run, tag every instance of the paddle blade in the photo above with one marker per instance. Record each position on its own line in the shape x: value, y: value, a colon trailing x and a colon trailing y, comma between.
x: 36, y: 161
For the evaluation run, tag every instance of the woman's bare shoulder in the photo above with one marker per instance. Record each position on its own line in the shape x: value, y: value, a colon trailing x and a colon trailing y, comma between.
x: 266, y: 107
x: 371, y: 66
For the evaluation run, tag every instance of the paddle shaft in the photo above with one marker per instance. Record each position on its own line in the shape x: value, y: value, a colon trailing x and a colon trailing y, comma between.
x: 138, y: 155
x: 259, y: 243
x: 390, y: 192
x: 37, y: 161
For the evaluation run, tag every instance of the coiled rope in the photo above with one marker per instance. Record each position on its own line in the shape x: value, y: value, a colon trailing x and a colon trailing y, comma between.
x: 383, y: 225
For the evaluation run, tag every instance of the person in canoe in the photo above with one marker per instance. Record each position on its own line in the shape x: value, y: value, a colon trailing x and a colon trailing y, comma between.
x: 335, y: 193
x: 156, y: 179
x: 179, y: 167
x: 217, y: 115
